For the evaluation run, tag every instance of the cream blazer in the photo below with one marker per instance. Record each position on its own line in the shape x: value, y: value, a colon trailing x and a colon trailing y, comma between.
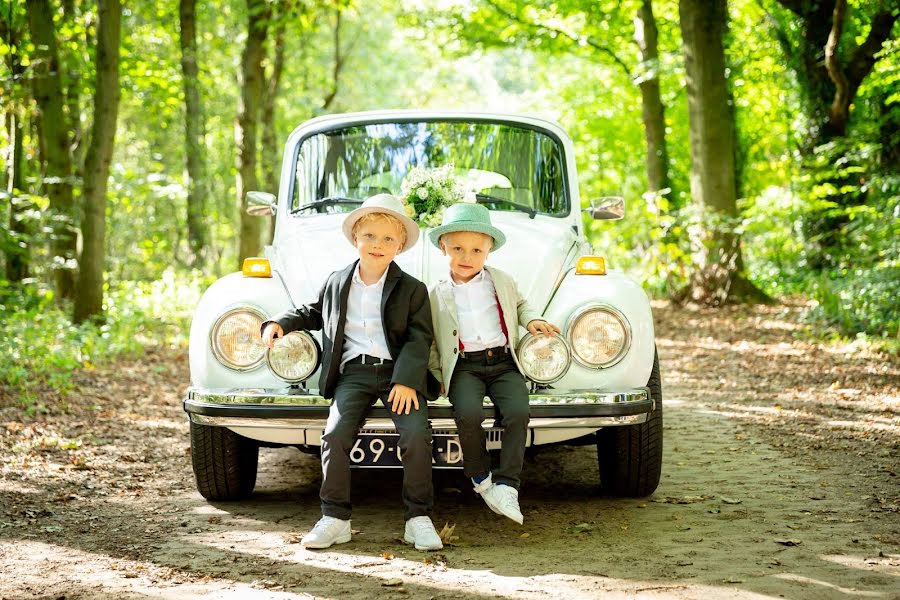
x: 445, y: 349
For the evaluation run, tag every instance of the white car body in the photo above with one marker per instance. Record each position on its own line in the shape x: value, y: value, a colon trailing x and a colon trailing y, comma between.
x: 541, y: 254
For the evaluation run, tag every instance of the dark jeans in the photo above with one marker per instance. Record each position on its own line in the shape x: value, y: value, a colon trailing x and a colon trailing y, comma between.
x: 357, y: 390
x: 498, y: 378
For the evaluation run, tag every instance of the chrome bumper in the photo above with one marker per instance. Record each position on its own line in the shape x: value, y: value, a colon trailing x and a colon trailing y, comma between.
x: 294, y: 409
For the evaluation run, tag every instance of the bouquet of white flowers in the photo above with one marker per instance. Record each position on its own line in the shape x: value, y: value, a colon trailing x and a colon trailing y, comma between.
x: 426, y: 193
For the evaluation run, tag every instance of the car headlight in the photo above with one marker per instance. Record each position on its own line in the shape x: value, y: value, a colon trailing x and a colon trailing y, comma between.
x: 544, y: 359
x: 235, y: 339
x: 599, y: 335
x: 294, y: 357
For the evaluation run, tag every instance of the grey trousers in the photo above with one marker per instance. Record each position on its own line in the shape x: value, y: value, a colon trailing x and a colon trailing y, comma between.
x: 357, y: 390
x: 498, y: 378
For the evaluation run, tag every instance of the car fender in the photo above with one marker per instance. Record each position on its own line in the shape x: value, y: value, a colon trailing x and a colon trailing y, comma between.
x: 625, y: 295
x: 266, y: 294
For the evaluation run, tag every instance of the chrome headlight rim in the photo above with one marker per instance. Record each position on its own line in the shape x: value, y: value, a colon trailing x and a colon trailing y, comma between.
x: 316, y: 363
x: 524, y: 341
x: 231, y: 310
x: 601, y: 306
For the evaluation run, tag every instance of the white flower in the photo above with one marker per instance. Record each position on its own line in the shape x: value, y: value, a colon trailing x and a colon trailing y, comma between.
x: 469, y: 196
x: 422, y: 193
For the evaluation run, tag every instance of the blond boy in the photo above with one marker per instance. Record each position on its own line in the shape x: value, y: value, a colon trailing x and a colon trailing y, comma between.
x: 376, y: 334
x: 477, y: 312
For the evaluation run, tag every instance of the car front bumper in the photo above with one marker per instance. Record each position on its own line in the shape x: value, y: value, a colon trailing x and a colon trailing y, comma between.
x: 295, y: 409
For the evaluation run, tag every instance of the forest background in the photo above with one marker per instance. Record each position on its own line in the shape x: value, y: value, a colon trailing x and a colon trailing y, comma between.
x: 756, y: 141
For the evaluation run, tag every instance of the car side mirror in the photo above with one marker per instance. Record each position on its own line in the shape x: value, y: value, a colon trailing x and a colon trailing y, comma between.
x: 261, y: 204
x: 607, y: 208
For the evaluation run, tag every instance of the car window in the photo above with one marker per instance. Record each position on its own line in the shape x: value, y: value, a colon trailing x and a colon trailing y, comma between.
x: 509, y: 166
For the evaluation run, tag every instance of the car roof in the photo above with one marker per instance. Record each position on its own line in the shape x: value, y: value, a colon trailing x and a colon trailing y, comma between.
x: 332, y: 121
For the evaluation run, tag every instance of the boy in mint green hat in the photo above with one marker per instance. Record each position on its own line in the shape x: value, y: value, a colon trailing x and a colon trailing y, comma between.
x: 477, y: 311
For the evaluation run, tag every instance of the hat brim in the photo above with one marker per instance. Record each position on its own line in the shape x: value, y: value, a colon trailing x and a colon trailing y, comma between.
x: 499, y: 238
x: 412, y: 230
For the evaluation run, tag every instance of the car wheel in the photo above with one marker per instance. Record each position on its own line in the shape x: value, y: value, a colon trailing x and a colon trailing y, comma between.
x: 224, y: 462
x: 630, y: 457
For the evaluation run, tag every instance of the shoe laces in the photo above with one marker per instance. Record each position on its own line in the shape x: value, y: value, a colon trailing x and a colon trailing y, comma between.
x: 422, y: 526
x: 508, y: 497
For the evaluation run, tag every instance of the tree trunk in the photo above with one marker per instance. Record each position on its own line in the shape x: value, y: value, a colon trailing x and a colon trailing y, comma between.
x: 718, y: 264
x: 18, y: 256
x: 339, y: 58
x: 653, y: 111
x: 271, y: 164
x: 55, y: 145
x: 89, y: 299
x: 194, y: 132
x: 829, y: 79
x: 73, y: 79
x: 830, y: 71
x: 21, y: 234
x: 252, y: 76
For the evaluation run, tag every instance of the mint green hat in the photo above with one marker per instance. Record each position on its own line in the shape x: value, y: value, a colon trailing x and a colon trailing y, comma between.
x: 467, y: 216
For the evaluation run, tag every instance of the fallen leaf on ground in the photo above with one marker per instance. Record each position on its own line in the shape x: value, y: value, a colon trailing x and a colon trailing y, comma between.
x: 446, y: 533
x: 582, y: 528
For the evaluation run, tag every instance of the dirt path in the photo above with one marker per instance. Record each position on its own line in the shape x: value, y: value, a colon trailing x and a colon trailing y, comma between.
x: 780, y: 480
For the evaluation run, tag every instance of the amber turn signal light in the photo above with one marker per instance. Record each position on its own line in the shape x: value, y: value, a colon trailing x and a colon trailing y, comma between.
x: 590, y: 265
x: 256, y: 267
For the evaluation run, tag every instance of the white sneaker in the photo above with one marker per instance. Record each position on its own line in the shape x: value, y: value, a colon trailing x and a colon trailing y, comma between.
x: 504, y: 500
x: 421, y: 532
x: 327, y: 531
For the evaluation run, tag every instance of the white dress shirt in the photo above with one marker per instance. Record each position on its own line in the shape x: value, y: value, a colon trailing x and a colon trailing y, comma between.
x: 479, y: 317
x: 364, y: 331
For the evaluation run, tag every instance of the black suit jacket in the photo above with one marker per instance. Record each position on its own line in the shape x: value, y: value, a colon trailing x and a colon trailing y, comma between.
x: 405, y: 315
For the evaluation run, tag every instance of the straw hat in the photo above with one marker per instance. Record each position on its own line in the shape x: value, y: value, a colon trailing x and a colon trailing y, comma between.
x: 388, y: 204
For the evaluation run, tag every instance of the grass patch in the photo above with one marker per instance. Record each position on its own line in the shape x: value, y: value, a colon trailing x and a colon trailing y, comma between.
x: 41, y: 349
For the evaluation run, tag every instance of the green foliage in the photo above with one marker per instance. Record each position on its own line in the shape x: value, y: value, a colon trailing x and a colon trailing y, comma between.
x: 859, y: 294
x: 41, y: 350
x: 860, y: 301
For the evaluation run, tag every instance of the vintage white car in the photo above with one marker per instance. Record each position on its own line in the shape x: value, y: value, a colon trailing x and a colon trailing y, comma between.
x: 597, y: 383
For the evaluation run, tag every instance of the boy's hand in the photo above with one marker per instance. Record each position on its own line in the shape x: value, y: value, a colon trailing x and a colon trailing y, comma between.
x: 402, y: 398
x: 539, y: 326
x: 270, y: 333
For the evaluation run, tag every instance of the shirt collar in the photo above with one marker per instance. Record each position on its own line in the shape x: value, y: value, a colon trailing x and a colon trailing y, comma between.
x: 358, y: 279
x: 481, y: 276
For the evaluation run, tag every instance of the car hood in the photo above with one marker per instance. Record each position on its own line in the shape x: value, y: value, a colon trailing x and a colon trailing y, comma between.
x: 535, y: 253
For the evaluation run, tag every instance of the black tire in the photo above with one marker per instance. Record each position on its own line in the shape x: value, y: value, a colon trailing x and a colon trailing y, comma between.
x: 224, y: 462
x: 630, y: 457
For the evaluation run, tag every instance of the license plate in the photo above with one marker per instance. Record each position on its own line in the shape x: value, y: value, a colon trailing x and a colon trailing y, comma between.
x: 382, y: 450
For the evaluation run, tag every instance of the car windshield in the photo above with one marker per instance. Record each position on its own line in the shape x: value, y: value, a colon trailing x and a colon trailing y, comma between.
x: 509, y: 167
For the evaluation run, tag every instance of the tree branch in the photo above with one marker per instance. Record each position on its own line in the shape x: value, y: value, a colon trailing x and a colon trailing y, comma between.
x: 571, y: 37
x: 840, y: 107
x: 338, y: 60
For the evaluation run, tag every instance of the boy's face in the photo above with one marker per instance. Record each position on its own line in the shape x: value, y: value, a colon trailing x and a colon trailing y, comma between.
x: 467, y: 251
x: 378, y: 242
